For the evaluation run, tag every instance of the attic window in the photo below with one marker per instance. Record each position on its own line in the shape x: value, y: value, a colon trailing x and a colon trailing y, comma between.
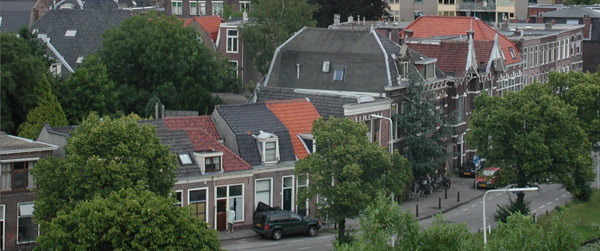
x: 308, y: 142
x: 512, y: 52
x: 185, y: 159
x: 338, y: 74
x: 80, y: 59
x: 268, y: 146
x: 430, y: 70
x: 210, y: 161
x: 70, y: 33
x: 326, y: 65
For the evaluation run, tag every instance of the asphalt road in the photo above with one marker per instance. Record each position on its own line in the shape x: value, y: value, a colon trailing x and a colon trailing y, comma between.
x: 323, y: 241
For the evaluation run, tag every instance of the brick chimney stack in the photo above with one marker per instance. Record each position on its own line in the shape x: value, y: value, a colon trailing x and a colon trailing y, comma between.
x: 587, y: 27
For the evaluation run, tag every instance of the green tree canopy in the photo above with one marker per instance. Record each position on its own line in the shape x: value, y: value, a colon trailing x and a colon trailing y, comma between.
x: 128, y: 219
x: 369, y: 9
x: 274, y: 21
x: 102, y: 156
x: 48, y: 110
x: 22, y: 69
x: 534, y: 137
x: 88, y: 90
x: 154, y: 55
x: 345, y: 171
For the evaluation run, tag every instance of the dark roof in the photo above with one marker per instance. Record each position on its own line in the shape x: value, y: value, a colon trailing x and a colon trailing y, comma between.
x: 15, y: 14
x: 248, y: 120
x: 9, y: 143
x: 357, y: 52
x: 574, y: 12
x: 327, y: 104
x: 60, y: 130
x: 89, y: 24
x: 99, y: 4
x: 452, y: 55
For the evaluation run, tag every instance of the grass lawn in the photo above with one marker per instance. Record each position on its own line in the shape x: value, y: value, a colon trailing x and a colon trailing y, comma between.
x: 584, y: 215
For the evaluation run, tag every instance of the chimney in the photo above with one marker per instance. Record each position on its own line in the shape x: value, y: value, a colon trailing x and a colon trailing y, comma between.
x: 245, y: 16
x: 155, y: 110
x: 350, y: 19
x: 587, y: 27
x: 470, y: 34
x: 408, y: 33
x: 395, y: 32
x: 548, y: 26
x: 336, y: 19
x: 539, y: 19
x: 162, y: 108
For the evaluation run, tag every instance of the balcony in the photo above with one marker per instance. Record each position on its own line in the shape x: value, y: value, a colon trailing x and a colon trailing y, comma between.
x: 476, y: 6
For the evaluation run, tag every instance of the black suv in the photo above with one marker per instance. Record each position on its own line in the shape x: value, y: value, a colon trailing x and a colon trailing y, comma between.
x: 278, y: 223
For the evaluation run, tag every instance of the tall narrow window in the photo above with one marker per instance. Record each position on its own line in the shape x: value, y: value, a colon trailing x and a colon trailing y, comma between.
x: 233, y: 195
x: 193, y: 8
x: 27, y: 230
x: 217, y: 8
x: 460, y: 116
x: 232, y: 41
x: 2, y: 238
x: 338, y: 74
x: 302, y: 185
x: 245, y: 6
x: 6, y: 177
x: 179, y: 197
x: 19, y: 175
x: 270, y: 150
x: 263, y: 192
x: 287, y: 189
x: 202, y: 8
x: 177, y: 10
x: 198, y: 203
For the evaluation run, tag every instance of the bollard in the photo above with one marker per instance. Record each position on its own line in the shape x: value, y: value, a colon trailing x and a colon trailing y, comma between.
x: 535, y: 217
x: 457, y: 196
x: 417, y: 211
x: 490, y: 228
x: 440, y: 203
x: 479, y: 230
x: 445, y: 193
x: 566, y: 203
x: 546, y: 212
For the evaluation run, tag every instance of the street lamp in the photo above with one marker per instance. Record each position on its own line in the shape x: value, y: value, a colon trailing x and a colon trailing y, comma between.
x: 524, y: 189
x: 390, y: 136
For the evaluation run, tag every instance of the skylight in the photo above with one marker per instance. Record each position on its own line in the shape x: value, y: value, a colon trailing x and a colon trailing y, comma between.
x: 80, y: 59
x: 70, y: 33
x: 185, y: 159
x: 338, y: 75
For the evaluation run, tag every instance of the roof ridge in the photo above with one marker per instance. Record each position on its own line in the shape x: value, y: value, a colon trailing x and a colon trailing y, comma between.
x: 286, y: 101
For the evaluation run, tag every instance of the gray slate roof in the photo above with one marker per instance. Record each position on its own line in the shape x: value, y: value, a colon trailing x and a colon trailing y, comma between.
x: 90, y: 24
x: 60, y: 130
x: 574, y: 12
x: 14, y: 143
x: 358, y: 52
x: 247, y: 120
x: 15, y: 14
x: 326, y: 104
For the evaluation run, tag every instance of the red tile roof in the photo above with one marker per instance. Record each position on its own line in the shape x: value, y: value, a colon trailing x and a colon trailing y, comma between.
x: 203, y: 135
x: 431, y: 26
x: 452, y: 55
x: 298, y: 116
x: 209, y: 23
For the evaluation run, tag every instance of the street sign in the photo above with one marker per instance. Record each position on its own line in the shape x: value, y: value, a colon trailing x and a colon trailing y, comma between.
x: 476, y: 161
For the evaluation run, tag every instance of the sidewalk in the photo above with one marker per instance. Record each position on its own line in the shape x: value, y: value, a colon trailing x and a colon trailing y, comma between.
x: 428, y: 206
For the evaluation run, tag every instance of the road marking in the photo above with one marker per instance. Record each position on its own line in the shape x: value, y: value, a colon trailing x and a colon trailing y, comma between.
x: 474, y: 205
x: 533, y: 211
x: 562, y: 196
x: 304, y: 248
x: 542, y: 206
x: 328, y: 245
x: 556, y: 199
x: 465, y: 209
x: 549, y: 203
x: 455, y: 213
x: 490, y: 198
x: 296, y: 240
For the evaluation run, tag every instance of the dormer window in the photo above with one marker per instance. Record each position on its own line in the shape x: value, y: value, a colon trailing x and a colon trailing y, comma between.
x: 308, y: 142
x: 209, y: 161
x: 268, y: 146
x: 212, y: 164
x: 430, y: 70
x: 185, y: 159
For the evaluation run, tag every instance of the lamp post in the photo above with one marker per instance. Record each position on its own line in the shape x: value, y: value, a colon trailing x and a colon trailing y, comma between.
x: 523, y: 189
x: 390, y: 142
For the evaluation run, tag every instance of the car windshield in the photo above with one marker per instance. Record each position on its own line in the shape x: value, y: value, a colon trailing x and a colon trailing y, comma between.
x: 488, y: 172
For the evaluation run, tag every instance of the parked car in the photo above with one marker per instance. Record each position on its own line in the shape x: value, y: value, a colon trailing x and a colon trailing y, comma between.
x: 486, y: 177
x: 467, y: 170
x: 277, y: 223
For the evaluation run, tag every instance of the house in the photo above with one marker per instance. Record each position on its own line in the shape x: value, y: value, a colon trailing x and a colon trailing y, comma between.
x: 71, y: 34
x: 190, y: 8
x: 56, y: 136
x: 17, y: 157
x: 16, y: 14
x: 207, y: 26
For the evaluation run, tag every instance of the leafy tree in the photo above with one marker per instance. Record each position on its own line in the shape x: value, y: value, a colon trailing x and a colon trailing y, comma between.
x: 443, y: 235
x: 504, y: 211
x: 128, y: 219
x: 581, y: 2
x: 102, y: 156
x: 22, y: 70
x: 274, y: 21
x: 88, y: 90
x: 398, y: 178
x: 425, y: 131
x: 154, y: 55
x: 37, y: 48
x: 346, y: 170
x: 48, y: 110
x: 534, y: 137
x: 369, y: 9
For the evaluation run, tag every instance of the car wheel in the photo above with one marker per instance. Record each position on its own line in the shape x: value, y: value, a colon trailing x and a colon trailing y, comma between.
x: 277, y: 234
x: 312, y: 231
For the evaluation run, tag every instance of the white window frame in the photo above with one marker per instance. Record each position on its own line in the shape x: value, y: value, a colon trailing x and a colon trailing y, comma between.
x: 262, y: 144
x: 298, y: 186
x: 2, y: 224
x: 394, y: 125
x: 19, y: 216
x: 293, y: 190
x: 218, y: 3
x: 56, y: 69
x: 227, y: 197
x: 177, y: 10
x: 193, y: 10
x: 236, y: 65
x: 270, y: 191
x: 201, y: 8
x: 206, y: 216
x: 234, y: 40
x: 180, y: 203
x: 201, y: 160
x: 303, y: 136
x: 242, y: 3
x: 525, y: 56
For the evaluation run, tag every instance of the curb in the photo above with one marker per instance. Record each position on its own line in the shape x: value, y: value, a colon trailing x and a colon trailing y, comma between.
x: 450, y: 208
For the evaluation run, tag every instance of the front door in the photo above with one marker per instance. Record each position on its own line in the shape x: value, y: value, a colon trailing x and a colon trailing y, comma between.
x: 287, y: 199
x: 222, y: 214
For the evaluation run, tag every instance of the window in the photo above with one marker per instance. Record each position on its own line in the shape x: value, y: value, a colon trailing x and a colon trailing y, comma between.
x: 185, y: 159
x: 460, y: 116
x: 179, y: 197
x: 430, y: 70
x: 234, y: 65
x: 245, y: 6
x: 70, y: 33
x: 512, y: 52
x: 403, y: 107
x: 202, y: 8
x: 193, y: 8
x: 262, y: 192
x: 525, y: 57
x: 405, y: 69
x: 338, y: 74
x: 235, y: 198
x: 16, y: 176
x: 27, y: 230
x: 287, y: 193
x: 531, y: 57
x: 537, y: 55
x: 2, y: 238
x: 197, y: 201
x: 217, y: 8
x: 394, y: 112
x: 551, y: 52
x: 55, y: 69
x: 374, y: 125
x: 79, y: 60
x: 302, y: 185
x: 268, y: 147
x: 308, y: 142
x: 232, y: 41
x: 176, y: 5
x: 212, y: 164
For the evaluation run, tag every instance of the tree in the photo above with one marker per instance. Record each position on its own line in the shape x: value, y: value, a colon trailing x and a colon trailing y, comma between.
x: 154, y: 55
x: 128, y: 219
x: 425, y: 131
x: 48, y: 110
x: 443, y: 235
x: 534, y: 137
x: 102, y: 156
x: 22, y: 70
x: 274, y: 21
x: 346, y: 171
x: 89, y: 90
x: 368, y: 9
